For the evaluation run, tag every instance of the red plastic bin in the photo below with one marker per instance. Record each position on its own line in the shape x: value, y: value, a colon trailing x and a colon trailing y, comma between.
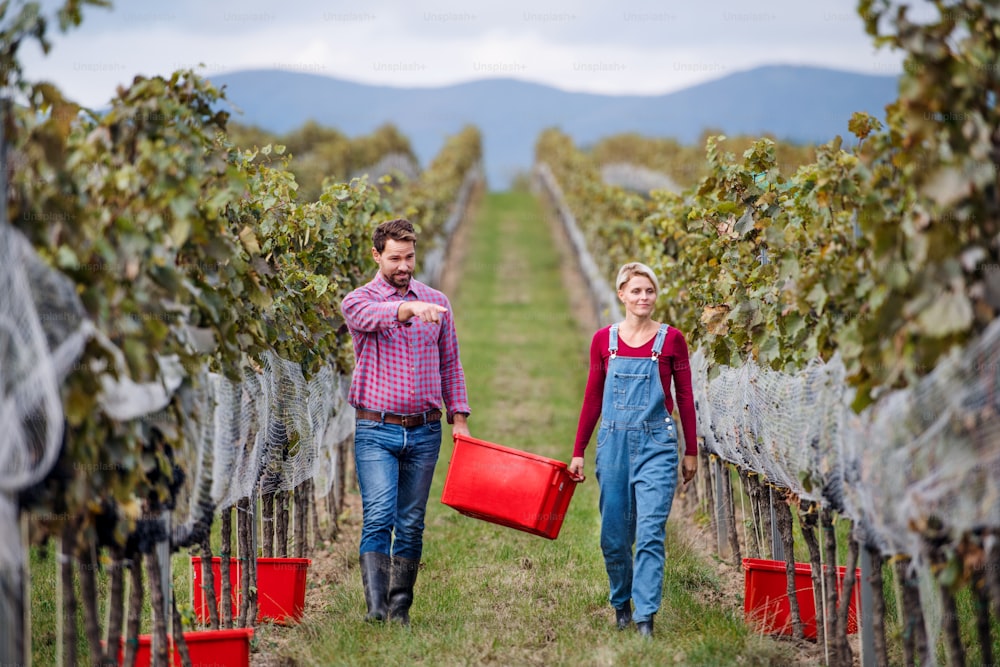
x: 281, y: 588
x: 765, y: 602
x: 215, y: 648
x: 508, y: 487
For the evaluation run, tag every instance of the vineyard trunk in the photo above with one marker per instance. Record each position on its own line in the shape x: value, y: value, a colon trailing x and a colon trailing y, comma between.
x: 982, y: 603
x: 282, y: 529
x: 878, y: 607
x: 226, y: 551
x: 830, y: 583
x: 68, y: 596
x: 157, y: 601
x: 753, y: 546
x: 807, y: 526
x: 301, y: 519
x: 267, y: 524
x: 949, y: 617
x: 116, y: 602
x: 730, y: 508
x: 844, y: 601
x: 706, y: 467
x: 314, y: 514
x: 993, y: 569
x: 914, y: 633
x: 12, y: 611
x: 88, y: 595
x: 243, y: 540
x: 134, y: 609
x: 179, y: 641
x: 788, y: 543
x: 208, y: 581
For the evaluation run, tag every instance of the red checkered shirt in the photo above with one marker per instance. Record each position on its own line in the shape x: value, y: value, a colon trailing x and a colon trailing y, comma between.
x: 403, y: 367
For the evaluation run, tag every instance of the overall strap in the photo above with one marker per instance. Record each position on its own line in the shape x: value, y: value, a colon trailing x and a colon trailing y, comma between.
x: 658, y: 343
x: 613, y: 340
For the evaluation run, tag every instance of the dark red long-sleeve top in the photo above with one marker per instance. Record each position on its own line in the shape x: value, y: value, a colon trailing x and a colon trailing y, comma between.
x: 674, y: 366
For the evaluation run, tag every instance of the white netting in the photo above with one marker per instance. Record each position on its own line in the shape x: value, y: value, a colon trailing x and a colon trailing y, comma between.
x: 925, y: 460
x: 42, y: 332
x: 33, y: 326
x: 928, y: 457
x: 636, y: 178
x: 391, y: 164
x: 339, y: 428
x: 786, y: 427
x: 269, y: 432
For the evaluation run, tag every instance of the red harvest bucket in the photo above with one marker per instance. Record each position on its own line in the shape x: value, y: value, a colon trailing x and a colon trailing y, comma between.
x: 765, y: 602
x: 218, y: 648
x: 281, y: 588
x: 508, y: 487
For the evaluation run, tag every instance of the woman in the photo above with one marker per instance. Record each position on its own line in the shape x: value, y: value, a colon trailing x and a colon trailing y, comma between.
x: 632, y: 364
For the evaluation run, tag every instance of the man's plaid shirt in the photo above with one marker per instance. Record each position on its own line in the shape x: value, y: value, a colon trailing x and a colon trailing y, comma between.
x: 403, y: 367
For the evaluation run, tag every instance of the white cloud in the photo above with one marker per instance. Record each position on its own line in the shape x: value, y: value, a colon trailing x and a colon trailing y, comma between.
x: 638, y: 46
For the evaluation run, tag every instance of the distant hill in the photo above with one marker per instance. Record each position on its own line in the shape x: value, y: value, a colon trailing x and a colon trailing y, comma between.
x: 805, y: 104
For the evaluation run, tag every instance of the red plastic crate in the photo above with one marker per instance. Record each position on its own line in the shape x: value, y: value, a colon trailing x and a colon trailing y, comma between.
x: 508, y: 487
x: 766, y: 605
x: 209, y: 648
x: 281, y: 588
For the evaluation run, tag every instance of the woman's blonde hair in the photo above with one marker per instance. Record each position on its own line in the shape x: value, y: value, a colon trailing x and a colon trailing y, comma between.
x: 632, y: 269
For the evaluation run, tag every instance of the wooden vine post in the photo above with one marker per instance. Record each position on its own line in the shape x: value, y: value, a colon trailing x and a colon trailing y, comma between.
x: 226, y: 553
x: 808, y: 521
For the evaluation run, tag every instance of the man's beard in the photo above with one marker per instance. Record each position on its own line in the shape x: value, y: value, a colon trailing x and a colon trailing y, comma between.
x: 400, y: 280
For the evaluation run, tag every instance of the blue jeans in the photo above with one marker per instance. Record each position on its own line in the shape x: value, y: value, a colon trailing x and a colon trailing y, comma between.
x: 395, y: 467
x: 637, y: 472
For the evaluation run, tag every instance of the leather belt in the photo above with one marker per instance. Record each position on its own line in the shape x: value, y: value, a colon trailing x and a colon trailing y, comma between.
x: 406, y: 421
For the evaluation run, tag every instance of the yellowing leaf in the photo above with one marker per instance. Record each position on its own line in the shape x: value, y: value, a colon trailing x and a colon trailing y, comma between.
x: 716, y: 319
x: 249, y: 240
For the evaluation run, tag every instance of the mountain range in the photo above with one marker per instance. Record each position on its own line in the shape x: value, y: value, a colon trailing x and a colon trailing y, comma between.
x: 794, y: 103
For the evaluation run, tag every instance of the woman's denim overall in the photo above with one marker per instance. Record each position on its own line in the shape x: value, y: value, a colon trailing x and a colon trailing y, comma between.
x: 637, y: 473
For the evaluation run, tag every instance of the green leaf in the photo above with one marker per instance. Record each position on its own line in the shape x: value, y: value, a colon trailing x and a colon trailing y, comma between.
x: 817, y: 297
x: 769, y: 351
x: 66, y: 258
x: 948, y: 314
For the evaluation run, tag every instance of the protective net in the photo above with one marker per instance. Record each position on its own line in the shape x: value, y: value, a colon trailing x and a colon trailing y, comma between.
x: 394, y: 165
x: 268, y: 432
x: 42, y: 332
x: 924, y: 461
x: 786, y: 427
x: 636, y: 178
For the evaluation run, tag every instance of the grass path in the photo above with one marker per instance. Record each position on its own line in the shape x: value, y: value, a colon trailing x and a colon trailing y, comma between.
x: 492, y: 595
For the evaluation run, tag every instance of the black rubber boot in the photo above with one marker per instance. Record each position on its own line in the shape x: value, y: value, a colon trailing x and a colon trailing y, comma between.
x: 404, y: 576
x: 623, y: 615
x: 645, y: 628
x: 375, y: 577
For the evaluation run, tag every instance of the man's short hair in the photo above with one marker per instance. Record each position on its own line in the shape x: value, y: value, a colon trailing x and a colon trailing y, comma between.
x: 399, y: 229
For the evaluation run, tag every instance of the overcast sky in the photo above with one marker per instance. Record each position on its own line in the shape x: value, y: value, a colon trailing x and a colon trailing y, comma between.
x: 630, y: 46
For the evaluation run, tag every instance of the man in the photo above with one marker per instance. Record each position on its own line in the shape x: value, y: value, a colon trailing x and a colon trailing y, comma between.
x: 407, y: 365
